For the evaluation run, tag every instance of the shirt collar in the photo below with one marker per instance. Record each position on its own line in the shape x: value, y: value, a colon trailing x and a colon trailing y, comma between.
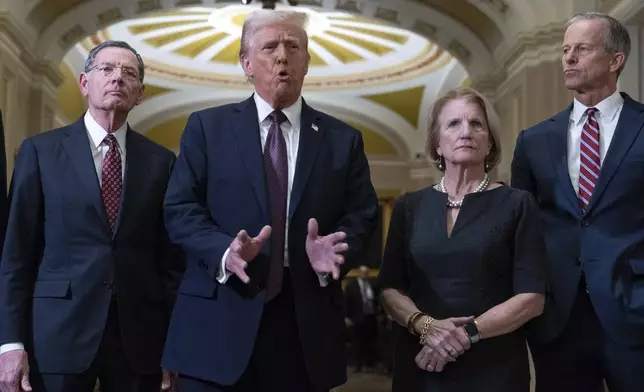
x: 293, y: 112
x: 97, y: 133
x: 607, y: 108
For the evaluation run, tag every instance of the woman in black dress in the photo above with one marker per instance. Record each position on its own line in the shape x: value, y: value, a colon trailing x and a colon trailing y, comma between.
x: 463, y: 264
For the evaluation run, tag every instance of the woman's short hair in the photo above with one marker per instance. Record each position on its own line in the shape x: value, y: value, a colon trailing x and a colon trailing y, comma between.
x: 471, y: 96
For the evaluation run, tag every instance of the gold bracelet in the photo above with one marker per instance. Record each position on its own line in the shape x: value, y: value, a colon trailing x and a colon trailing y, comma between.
x: 478, y: 327
x: 425, y: 330
x: 411, y: 320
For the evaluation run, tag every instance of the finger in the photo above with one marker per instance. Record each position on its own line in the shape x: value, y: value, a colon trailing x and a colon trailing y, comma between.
x: 242, y: 237
x: 423, y: 358
x: 338, y: 259
x: 313, y: 229
x: 336, y: 237
x: 438, y: 365
x: 340, y: 247
x: 24, y: 382
x: 456, y: 346
x: 240, y: 271
x: 463, y: 338
x: 461, y: 321
x: 335, y: 272
x: 264, y: 234
x: 443, y: 354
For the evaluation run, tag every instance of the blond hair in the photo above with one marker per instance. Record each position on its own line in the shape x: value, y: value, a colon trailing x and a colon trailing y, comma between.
x: 263, y: 17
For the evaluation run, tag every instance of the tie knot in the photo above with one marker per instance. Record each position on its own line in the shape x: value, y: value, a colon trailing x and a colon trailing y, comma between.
x: 591, y: 112
x: 110, y: 140
x: 278, y: 117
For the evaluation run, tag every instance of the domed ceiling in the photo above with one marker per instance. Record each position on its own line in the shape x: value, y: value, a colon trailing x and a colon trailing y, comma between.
x: 370, y: 73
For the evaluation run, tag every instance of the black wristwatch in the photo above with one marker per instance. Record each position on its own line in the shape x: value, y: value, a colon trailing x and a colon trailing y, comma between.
x: 472, y: 331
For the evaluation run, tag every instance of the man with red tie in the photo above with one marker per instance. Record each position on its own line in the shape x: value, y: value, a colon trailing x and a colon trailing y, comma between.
x: 272, y: 202
x: 88, y: 275
x: 585, y: 168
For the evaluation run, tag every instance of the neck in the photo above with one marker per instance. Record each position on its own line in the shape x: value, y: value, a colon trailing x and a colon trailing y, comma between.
x: 592, y: 98
x: 110, y: 120
x: 278, y: 103
x: 459, y: 180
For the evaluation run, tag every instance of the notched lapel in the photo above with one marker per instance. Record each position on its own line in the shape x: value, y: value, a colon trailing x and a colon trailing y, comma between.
x: 135, y: 171
x: 311, y: 135
x: 558, y: 145
x: 79, y: 151
x: 630, y: 124
x: 246, y: 132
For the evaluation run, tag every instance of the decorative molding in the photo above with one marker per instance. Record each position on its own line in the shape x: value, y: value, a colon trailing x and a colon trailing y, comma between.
x: 460, y: 51
x: 148, y: 6
x: 349, y: 5
x: 387, y: 14
x: 498, y: 5
x: 547, y: 36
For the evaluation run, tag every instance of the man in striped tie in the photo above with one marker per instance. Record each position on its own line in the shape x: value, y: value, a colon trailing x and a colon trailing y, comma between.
x: 585, y: 167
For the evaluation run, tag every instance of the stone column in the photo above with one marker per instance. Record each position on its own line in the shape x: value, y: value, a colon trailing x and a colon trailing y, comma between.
x: 631, y: 81
x: 27, y: 90
x: 527, y: 89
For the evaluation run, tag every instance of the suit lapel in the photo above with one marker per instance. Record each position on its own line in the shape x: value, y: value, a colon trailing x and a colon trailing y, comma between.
x: 246, y: 132
x: 135, y: 172
x: 78, y: 149
x: 311, y: 135
x: 558, y: 144
x: 631, y: 121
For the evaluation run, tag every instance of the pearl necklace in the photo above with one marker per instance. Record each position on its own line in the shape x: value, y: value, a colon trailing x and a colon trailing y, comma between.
x: 458, y: 203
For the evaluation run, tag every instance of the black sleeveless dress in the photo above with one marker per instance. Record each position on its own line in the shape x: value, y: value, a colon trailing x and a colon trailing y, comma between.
x: 496, y: 250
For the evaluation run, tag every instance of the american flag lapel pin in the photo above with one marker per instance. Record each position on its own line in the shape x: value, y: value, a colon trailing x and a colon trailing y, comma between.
x: 315, y: 127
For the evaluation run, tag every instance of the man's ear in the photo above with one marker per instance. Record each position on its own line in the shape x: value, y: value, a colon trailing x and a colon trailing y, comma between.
x: 246, y: 65
x: 83, y: 82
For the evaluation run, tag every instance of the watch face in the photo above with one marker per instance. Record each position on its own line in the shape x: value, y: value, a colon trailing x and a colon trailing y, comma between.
x: 471, y: 329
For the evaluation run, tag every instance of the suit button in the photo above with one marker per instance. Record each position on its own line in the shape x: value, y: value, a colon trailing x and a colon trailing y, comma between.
x: 585, y: 223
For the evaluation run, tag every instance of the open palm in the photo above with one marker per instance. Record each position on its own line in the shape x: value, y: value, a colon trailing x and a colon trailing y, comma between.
x: 325, y: 252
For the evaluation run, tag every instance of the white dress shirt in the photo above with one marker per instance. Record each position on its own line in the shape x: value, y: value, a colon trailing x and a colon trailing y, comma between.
x: 291, y: 131
x: 96, y: 135
x: 607, y: 117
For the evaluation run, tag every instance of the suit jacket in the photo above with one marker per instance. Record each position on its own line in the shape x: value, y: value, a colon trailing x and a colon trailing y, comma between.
x: 4, y: 202
x: 61, y: 262
x: 606, y: 242
x: 354, y: 304
x: 217, y: 189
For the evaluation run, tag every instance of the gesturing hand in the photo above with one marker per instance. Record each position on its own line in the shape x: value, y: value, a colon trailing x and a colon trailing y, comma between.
x: 244, y: 249
x: 325, y: 251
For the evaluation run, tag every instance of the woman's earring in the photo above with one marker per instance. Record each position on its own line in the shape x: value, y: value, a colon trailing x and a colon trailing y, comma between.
x: 441, y: 163
x: 487, y: 167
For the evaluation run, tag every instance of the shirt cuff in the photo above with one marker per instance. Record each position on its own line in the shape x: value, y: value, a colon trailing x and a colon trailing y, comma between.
x: 11, y: 347
x: 323, y: 278
x: 223, y: 275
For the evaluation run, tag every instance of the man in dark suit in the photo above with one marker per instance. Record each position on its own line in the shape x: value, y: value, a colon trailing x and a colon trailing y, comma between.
x: 4, y: 201
x: 361, y: 313
x: 272, y: 202
x: 88, y: 274
x: 585, y: 167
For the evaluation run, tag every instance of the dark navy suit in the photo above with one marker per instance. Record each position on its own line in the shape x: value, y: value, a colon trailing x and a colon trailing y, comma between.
x: 217, y: 189
x: 593, y: 323
x: 65, y: 273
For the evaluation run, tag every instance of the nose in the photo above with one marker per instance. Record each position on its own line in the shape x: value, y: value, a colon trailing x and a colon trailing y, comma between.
x: 570, y: 57
x: 280, y: 53
x: 117, y: 75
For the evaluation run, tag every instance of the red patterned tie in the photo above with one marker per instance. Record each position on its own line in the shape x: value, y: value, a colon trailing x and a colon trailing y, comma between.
x: 590, y: 165
x: 111, y: 180
x: 276, y: 167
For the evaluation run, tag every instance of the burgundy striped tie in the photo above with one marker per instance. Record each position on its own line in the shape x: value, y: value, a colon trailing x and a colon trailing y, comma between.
x: 590, y: 165
x: 276, y: 167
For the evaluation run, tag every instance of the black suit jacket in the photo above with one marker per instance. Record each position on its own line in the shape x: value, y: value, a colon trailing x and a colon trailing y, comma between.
x: 217, y: 189
x: 61, y: 262
x: 606, y: 242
